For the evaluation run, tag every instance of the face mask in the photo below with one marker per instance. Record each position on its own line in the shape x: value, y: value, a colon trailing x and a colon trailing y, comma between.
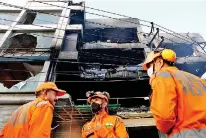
x: 150, y: 71
x: 95, y: 107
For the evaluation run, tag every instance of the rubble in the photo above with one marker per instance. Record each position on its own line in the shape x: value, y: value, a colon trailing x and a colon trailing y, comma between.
x: 139, y: 109
x: 135, y: 112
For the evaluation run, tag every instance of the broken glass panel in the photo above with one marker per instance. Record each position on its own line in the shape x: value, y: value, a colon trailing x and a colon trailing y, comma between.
x: 30, y: 40
x: 44, y: 39
x: 20, y: 77
x: 6, y: 18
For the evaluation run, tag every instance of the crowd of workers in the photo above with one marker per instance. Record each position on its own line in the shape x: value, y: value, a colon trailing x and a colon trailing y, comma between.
x: 178, y: 104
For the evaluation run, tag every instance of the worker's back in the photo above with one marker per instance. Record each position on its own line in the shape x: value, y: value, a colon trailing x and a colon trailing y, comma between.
x: 191, y: 104
x: 19, y: 123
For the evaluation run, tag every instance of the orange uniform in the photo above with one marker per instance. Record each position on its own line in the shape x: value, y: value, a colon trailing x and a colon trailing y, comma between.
x: 178, y: 103
x: 32, y: 120
x: 111, y: 127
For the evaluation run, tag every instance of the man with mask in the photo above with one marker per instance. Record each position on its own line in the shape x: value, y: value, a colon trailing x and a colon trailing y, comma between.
x: 33, y: 120
x: 178, y: 98
x: 102, y: 124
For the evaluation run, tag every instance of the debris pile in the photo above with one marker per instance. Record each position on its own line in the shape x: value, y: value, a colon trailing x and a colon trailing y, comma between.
x: 135, y: 112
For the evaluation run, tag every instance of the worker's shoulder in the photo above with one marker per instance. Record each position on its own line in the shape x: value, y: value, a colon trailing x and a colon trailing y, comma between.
x: 43, y: 104
x: 165, y: 73
x: 115, y: 118
x: 86, y: 125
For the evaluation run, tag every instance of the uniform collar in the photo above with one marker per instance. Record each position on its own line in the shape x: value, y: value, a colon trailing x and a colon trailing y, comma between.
x: 101, y: 115
x: 169, y: 68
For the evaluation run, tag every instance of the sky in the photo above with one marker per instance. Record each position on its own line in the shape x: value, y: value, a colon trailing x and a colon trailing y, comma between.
x: 181, y: 16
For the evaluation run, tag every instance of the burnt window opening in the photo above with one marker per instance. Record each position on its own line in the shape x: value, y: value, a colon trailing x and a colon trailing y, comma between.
x: 71, y: 3
x: 41, y: 18
x: 85, y: 77
x: 77, y: 17
x: 21, y: 42
x: 12, y: 74
x: 111, y: 35
x: 119, y: 56
x: 27, y: 41
x: 197, y: 68
x: 29, y: 18
x: 182, y: 49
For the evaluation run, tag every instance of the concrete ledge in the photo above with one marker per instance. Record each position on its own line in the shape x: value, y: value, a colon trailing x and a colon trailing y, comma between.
x: 68, y: 55
x: 139, y: 122
x: 19, y: 99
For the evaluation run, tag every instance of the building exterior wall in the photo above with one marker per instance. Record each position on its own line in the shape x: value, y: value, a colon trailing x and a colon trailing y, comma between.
x: 34, y: 29
x: 34, y: 36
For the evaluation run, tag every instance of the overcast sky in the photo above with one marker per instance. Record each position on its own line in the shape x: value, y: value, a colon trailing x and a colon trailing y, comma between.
x: 178, y: 15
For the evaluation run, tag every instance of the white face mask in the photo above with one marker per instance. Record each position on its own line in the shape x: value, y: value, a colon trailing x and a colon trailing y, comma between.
x: 150, y: 71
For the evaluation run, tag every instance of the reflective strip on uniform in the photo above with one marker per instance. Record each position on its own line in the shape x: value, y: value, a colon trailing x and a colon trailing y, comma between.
x: 190, y: 83
x: 41, y: 103
x: 164, y: 74
x: 20, y: 115
x: 192, y: 133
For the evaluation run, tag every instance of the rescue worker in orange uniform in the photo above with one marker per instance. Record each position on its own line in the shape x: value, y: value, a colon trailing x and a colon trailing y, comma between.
x: 178, y: 100
x: 33, y: 120
x: 102, y: 124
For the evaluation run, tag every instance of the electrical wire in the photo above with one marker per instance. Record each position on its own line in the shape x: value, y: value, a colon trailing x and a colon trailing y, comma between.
x: 100, y: 81
x: 97, y: 24
x: 88, y: 53
x: 70, y: 8
x: 72, y: 40
x: 88, y: 63
x: 19, y: 70
x: 121, y: 20
x: 107, y: 45
x: 61, y: 37
x: 64, y: 61
x: 117, y: 14
x: 85, y: 33
x: 139, y: 20
x: 203, y: 48
x: 85, y: 11
x: 81, y: 20
x: 92, y: 23
x: 6, y: 4
x: 131, y: 22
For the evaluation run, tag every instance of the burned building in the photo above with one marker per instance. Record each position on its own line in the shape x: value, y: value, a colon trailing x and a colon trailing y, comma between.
x: 54, y: 41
